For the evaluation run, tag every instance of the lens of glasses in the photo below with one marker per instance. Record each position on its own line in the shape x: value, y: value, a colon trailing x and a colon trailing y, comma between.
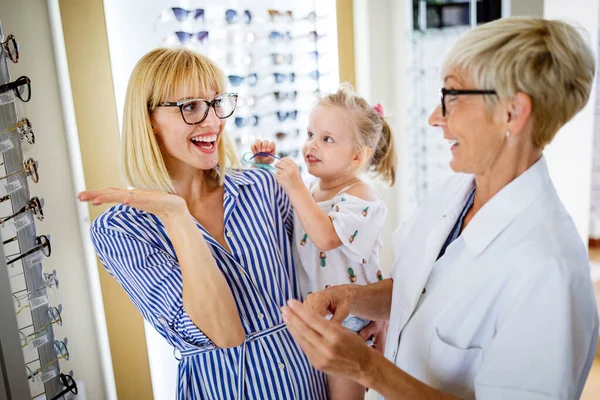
x: 23, y: 90
x: 231, y: 16
x: 252, y: 79
x: 44, y: 243
x: 61, y: 349
x: 180, y: 13
x: 26, y: 131
x: 202, y: 36
x: 235, y: 80
x: 184, y: 37
x: 31, y: 168
x: 225, y: 105
x: 11, y: 48
x: 54, y: 316
x: 37, y: 208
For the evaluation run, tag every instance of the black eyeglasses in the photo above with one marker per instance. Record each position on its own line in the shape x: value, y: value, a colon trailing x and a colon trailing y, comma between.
x: 453, y: 92
x: 11, y: 48
x: 43, y: 244
x: 69, y: 383
x: 194, y: 111
x: 21, y: 87
x: 35, y: 204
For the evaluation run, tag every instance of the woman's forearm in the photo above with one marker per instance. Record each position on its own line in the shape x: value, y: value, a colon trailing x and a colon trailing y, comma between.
x: 381, y: 375
x: 373, y: 301
x: 207, y: 297
x: 315, y: 222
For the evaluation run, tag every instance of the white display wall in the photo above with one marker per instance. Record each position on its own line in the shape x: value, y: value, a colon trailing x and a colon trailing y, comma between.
x: 245, y: 41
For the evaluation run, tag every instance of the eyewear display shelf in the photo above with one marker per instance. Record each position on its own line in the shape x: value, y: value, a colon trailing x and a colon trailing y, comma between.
x: 20, y: 315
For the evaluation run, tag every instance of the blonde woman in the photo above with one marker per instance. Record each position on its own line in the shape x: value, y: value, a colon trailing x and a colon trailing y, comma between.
x: 490, y: 294
x: 202, y: 250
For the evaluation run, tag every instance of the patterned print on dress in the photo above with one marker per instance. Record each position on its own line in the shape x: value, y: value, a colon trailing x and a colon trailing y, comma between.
x: 322, y: 256
x: 352, y: 276
x: 379, y: 275
x: 364, y: 260
x: 303, y: 241
x: 365, y: 212
x: 337, y: 208
x: 327, y: 286
x: 353, y: 236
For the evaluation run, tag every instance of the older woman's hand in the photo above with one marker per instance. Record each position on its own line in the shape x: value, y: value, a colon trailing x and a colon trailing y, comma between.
x: 330, y: 347
x: 161, y: 204
x: 335, y: 301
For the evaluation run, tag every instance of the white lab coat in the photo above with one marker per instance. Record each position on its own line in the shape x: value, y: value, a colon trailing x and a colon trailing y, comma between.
x: 511, y: 313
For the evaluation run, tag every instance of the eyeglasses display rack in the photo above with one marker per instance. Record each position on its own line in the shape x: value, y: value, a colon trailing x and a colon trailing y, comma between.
x: 29, y: 353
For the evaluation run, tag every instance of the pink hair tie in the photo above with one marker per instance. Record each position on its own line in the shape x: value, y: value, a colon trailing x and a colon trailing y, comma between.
x: 379, y: 109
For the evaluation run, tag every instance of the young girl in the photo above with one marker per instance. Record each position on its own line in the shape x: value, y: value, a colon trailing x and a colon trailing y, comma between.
x: 338, y: 220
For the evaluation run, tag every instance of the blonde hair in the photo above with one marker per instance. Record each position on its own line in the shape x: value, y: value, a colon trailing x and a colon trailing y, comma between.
x: 156, y: 77
x: 547, y: 60
x: 370, y: 130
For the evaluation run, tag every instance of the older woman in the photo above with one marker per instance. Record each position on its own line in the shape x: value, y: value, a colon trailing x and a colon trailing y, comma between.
x: 490, y: 295
x: 202, y: 250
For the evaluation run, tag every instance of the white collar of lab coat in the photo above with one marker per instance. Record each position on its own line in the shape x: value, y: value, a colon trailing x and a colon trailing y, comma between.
x: 506, y: 205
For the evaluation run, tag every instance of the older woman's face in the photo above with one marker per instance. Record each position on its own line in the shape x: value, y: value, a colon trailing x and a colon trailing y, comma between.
x: 183, y: 144
x: 476, y: 139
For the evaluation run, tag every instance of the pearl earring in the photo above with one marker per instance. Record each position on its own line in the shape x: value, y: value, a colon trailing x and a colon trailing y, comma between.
x: 507, y: 134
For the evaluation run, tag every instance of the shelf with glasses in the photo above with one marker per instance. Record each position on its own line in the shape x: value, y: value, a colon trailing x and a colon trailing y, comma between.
x: 30, y: 355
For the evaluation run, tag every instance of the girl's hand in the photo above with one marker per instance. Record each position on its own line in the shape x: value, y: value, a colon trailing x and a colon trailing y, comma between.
x: 288, y: 174
x: 263, y: 146
x: 377, y: 329
x: 161, y: 204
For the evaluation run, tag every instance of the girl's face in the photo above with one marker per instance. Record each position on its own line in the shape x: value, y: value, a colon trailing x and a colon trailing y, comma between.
x: 188, y: 145
x: 329, y: 150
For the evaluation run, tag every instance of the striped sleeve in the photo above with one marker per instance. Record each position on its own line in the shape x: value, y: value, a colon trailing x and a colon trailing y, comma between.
x: 152, y: 280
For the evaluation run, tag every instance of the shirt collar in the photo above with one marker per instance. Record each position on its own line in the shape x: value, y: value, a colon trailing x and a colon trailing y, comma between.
x: 508, y: 204
x: 234, y: 179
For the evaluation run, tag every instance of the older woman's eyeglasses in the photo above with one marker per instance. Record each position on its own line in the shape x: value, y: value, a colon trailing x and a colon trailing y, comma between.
x: 453, y: 92
x: 194, y: 111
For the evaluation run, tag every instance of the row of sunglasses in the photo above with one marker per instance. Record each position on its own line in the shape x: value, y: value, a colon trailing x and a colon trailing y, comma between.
x: 254, y: 120
x: 274, y: 36
x: 252, y: 79
x: 276, y: 58
x: 233, y: 16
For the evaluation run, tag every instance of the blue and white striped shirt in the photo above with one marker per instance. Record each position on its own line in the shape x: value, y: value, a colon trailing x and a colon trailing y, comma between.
x: 135, y: 249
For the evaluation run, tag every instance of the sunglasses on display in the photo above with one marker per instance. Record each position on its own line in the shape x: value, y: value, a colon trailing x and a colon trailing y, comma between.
x: 285, y: 115
x: 312, y: 36
x: 232, y: 16
x: 54, y: 315
x: 21, y: 88
x: 279, y: 59
x: 70, y: 386
x: 277, y: 15
x: 276, y: 36
x: 194, y: 111
x: 50, y: 281
x: 35, y: 204
x: 23, y: 127
x: 290, y: 154
x: 11, y: 48
x: 62, y: 352
x: 280, y: 78
x: 42, y: 244
x: 283, y: 135
x: 237, y: 80
x: 187, y: 37
x: 283, y: 96
x: 30, y: 167
x: 242, y: 122
x: 182, y: 15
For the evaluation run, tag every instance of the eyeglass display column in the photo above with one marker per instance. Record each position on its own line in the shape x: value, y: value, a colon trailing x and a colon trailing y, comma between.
x: 15, y: 366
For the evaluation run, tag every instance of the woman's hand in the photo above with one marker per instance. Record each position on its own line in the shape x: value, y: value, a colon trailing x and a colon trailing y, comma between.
x: 161, y: 204
x: 263, y: 146
x: 330, y: 347
x: 335, y: 301
x: 288, y: 174
x: 377, y: 329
